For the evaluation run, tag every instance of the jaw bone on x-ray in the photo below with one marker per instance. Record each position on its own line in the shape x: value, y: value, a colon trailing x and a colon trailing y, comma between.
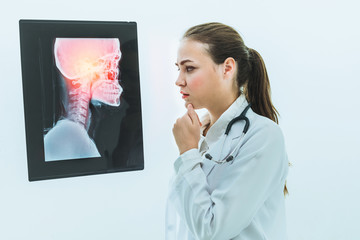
x: 89, y: 69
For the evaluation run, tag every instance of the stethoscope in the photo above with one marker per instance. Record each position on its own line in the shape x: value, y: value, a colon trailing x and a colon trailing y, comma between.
x: 230, y: 156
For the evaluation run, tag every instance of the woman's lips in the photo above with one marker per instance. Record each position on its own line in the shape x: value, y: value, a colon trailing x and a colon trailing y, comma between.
x: 184, y: 95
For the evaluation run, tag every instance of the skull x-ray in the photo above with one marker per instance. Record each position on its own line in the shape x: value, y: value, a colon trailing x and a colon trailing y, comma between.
x: 89, y: 72
x: 81, y: 97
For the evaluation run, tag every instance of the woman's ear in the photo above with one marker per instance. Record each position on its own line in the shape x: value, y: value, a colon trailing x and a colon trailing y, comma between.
x: 229, y: 68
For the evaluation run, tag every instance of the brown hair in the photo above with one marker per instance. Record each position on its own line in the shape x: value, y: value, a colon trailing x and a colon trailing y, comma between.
x: 223, y: 42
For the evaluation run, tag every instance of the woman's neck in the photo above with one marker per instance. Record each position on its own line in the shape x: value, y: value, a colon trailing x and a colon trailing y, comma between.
x: 215, y: 111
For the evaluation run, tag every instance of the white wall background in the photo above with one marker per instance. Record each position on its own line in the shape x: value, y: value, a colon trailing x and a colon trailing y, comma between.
x: 311, y: 49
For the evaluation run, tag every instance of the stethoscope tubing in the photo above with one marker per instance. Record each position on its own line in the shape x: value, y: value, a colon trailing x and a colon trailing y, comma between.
x: 230, y: 156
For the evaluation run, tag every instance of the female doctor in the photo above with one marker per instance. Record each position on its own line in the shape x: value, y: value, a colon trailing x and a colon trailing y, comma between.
x: 229, y: 180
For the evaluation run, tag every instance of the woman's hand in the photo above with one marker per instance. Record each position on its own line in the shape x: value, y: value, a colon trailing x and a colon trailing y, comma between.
x: 186, y: 130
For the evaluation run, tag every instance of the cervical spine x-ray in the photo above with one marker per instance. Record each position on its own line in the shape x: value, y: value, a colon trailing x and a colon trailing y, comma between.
x: 82, y: 100
x: 88, y: 71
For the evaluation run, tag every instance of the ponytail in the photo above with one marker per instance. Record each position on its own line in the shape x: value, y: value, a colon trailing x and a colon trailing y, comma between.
x: 257, y: 89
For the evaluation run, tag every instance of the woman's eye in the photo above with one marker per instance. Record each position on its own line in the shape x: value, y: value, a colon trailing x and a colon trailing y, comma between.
x: 189, y: 68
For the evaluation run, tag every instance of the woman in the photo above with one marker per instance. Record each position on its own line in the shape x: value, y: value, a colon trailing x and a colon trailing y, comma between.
x: 212, y: 195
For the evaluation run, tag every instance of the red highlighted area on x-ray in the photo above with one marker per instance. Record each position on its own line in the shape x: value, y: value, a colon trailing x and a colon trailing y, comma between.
x: 89, y: 71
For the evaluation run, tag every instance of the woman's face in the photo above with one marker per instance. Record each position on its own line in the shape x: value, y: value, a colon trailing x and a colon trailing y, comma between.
x: 199, y: 77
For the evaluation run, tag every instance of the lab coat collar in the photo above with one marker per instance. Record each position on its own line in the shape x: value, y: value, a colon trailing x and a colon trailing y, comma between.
x: 218, y: 128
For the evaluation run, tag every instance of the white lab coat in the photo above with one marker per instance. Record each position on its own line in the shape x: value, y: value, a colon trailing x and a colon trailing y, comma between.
x: 242, y: 199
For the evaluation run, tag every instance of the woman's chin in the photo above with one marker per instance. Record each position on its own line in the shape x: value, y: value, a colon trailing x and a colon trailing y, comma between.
x: 194, y: 105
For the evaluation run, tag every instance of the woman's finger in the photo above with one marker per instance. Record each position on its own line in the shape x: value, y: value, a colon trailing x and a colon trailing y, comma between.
x: 193, y: 115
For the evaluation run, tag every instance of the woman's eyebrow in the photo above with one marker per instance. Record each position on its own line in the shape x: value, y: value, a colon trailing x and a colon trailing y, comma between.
x: 183, y: 62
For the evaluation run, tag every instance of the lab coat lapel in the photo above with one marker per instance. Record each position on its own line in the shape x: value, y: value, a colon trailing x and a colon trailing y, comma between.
x: 208, y: 166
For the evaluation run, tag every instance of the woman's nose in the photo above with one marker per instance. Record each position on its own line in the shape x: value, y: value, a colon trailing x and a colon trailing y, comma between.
x: 180, y: 81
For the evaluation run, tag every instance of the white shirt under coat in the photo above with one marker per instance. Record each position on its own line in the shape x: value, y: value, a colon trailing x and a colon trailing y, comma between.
x: 242, y: 199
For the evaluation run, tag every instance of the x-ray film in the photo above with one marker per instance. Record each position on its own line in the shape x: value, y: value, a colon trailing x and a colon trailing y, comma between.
x: 88, y: 71
x: 81, y: 98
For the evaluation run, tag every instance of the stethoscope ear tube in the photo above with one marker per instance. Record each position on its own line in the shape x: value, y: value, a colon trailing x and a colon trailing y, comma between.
x: 239, y: 118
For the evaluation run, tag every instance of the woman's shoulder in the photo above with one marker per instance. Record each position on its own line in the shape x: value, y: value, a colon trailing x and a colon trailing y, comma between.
x: 265, y: 139
x: 264, y: 142
x: 265, y: 129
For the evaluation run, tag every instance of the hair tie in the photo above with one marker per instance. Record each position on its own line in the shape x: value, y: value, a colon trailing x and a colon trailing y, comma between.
x: 251, y: 53
x: 251, y: 59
